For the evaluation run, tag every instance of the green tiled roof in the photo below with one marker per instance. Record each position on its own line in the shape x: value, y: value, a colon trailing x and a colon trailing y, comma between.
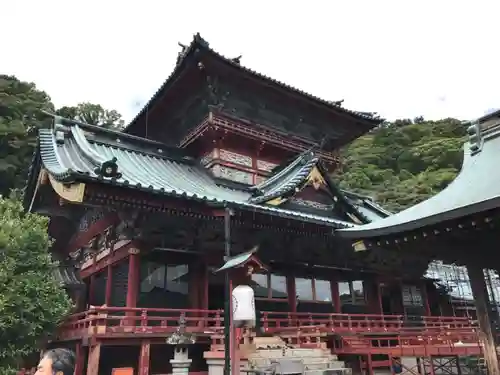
x: 69, y: 155
x: 287, y: 179
x: 73, y: 152
x: 475, y: 189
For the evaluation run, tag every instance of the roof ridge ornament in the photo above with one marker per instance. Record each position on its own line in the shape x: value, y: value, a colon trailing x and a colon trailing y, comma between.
x: 199, y: 39
x: 475, y: 137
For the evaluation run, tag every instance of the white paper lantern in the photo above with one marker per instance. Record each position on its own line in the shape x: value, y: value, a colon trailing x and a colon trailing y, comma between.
x: 243, y: 306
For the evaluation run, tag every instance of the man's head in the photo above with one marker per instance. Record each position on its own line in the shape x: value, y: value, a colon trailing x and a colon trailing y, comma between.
x: 57, y: 362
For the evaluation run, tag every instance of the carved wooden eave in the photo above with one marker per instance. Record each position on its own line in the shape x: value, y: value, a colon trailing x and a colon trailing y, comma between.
x: 70, y: 192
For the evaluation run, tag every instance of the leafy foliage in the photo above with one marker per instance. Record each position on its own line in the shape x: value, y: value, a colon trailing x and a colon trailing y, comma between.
x: 21, y: 106
x: 93, y: 114
x: 404, y: 162
x: 32, y: 302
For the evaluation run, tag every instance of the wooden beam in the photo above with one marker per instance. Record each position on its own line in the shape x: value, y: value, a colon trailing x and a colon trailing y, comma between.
x: 480, y: 293
x: 112, y: 258
x: 144, y: 358
x: 83, y: 238
x: 93, y: 363
x: 109, y: 285
x: 425, y: 297
x: 133, y: 278
x: 79, y: 360
x: 143, y: 198
x: 292, y: 292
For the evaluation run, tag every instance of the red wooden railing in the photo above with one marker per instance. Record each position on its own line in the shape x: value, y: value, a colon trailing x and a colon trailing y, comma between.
x: 351, y: 333
x: 119, y: 321
x: 366, y: 323
x: 412, y: 346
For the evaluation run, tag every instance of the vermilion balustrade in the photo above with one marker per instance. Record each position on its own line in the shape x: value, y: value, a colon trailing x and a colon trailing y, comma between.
x: 304, y: 329
x: 334, y: 322
x: 118, y: 321
x: 412, y: 346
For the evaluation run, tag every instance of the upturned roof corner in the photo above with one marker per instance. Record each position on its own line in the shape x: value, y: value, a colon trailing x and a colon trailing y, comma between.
x: 104, y: 166
x: 305, y: 170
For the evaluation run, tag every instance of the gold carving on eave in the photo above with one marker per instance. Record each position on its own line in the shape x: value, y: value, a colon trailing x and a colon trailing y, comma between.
x: 316, y: 179
x: 43, y: 177
x: 276, y: 201
x: 70, y: 192
x: 359, y: 246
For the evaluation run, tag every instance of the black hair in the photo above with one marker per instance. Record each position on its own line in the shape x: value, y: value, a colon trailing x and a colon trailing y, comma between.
x: 63, y: 360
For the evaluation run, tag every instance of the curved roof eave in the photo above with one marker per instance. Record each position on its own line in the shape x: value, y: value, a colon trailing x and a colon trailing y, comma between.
x: 199, y: 43
x: 475, y: 189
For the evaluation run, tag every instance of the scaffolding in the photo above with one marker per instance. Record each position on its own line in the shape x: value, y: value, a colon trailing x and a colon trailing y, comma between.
x: 455, y: 281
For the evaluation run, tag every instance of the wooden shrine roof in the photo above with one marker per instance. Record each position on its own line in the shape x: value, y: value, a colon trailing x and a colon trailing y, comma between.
x: 73, y: 152
x: 476, y: 188
x: 199, y: 46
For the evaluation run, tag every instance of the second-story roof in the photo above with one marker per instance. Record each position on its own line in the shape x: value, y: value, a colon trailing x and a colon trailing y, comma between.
x: 191, y: 55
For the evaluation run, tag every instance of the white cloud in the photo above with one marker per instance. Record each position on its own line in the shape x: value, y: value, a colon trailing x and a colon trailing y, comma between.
x: 398, y: 58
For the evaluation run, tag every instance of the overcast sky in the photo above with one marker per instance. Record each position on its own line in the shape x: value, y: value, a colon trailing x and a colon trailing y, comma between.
x: 435, y: 58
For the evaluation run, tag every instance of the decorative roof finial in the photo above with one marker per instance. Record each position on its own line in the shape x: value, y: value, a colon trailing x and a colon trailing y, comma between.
x: 182, y: 52
x: 108, y: 169
x: 475, y: 138
x: 201, y: 41
x: 337, y: 103
x: 237, y: 60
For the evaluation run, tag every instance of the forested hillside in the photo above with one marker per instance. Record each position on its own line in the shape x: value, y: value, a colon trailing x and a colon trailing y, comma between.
x: 404, y: 162
x: 22, y: 107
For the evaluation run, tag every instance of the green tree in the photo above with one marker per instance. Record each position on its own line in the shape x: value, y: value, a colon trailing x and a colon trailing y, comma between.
x: 32, y: 302
x: 404, y: 162
x: 20, y: 115
x: 93, y: 114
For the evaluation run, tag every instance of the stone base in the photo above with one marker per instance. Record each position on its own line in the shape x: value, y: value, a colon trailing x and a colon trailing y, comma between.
x: 215, y: 366
x: 215, y: 362
x: 181, y: 362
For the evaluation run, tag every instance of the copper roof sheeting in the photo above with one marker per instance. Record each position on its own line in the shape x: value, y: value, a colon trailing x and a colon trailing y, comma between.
x: 475, y: 189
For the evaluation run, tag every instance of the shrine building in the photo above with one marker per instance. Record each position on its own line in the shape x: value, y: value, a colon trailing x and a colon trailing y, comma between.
x: 224, y: 178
